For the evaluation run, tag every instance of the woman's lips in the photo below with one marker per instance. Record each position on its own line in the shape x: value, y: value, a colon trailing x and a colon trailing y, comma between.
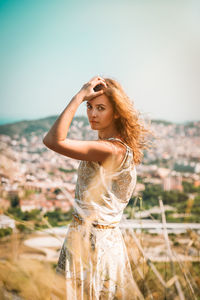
x: 93, y: 122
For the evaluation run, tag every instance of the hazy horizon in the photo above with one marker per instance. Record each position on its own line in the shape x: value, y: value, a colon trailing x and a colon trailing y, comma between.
x: 10, y: 121
x: 49, y: 49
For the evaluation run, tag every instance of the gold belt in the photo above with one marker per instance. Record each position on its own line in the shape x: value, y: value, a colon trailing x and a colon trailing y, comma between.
x: 95, y: 225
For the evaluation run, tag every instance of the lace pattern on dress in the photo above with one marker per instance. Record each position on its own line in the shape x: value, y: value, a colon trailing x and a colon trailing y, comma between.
x: 94, y: 260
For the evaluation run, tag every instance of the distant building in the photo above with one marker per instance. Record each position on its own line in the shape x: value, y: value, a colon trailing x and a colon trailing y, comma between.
x: 5, y: 222
x: 162, y: 172
x: 28, y: 205
x: 197, y: 183
x: 138, y: 188
x: 197, y: 168
x: 45, y: 187
x: 173, y: 181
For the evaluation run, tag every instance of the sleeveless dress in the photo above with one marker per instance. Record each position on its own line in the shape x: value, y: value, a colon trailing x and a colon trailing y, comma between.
x: 93, y: 258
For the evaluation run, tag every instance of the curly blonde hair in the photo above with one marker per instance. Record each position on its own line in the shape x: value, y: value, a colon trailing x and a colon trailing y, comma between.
x: 129, y: 125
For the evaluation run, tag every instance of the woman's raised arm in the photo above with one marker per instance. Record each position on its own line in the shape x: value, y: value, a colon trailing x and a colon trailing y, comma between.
x: 56, y: 138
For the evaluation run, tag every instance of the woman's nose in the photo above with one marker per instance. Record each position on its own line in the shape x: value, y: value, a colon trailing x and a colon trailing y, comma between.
x: 94, y: 113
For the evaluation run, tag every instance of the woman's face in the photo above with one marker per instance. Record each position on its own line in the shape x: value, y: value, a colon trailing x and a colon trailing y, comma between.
x: 100, y: 112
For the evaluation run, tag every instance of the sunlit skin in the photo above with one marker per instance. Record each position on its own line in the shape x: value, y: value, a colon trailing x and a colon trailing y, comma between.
x: 100, y: 110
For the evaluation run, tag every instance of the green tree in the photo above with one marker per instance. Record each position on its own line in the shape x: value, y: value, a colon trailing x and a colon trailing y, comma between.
x: 196, y: 206
x: 5, y: 231
x: 33, y: 214
x: 56, y: 216
x: 14, y: 201
x: 188, y: 187
x: 57, y: 191
x: 23, y: 228
x: 16, y: 212
x: 150, y: 194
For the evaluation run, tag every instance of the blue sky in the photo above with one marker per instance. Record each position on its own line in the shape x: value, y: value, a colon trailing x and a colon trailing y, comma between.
x: 50, y: 48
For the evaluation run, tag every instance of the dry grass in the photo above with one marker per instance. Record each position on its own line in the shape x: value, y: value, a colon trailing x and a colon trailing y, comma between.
x: 157, y: 279
x: 34, y: 279
x: 31, y: 279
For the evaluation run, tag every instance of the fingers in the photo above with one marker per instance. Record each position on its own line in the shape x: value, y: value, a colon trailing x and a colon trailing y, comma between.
x: 98, y: 93
x: 97, y: 80
x: 100, y: 80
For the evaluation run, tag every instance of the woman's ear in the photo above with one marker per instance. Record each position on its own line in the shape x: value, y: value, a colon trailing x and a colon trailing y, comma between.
x: 116, y: 115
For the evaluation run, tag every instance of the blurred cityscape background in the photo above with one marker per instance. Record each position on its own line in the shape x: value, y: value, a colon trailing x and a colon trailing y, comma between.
x: 38, y: 187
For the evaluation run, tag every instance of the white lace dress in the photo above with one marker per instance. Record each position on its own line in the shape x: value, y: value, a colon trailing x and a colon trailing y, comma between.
x: 93, y: 257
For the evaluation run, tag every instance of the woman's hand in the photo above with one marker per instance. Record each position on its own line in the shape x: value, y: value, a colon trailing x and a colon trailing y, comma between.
x: 88, y: 91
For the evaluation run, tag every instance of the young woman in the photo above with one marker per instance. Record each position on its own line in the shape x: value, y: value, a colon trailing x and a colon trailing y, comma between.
x: 94, y: 257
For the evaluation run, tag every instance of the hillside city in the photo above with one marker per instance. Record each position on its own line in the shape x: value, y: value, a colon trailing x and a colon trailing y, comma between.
x: 160, y: 224
x: 35, y: 173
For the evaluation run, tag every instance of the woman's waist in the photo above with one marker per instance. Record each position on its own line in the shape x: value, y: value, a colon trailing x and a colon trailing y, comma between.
x: 103, y: 207
x: 102, y: 223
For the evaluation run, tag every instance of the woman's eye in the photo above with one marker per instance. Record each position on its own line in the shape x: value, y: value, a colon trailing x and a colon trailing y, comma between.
x: 99, y: 108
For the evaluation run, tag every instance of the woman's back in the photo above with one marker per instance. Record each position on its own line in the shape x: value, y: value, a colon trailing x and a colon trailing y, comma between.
x: 103, y: 195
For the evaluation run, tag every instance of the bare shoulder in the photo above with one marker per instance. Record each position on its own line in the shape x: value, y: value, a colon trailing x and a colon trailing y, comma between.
x: 118, y: 153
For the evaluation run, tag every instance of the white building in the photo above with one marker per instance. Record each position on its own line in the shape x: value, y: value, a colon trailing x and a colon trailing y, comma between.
x: 5, y: 222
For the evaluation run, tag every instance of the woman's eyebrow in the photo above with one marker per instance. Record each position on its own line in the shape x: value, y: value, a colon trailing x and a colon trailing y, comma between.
x: 97, y: 104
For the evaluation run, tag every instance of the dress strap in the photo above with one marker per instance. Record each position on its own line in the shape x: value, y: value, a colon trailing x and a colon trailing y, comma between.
x: 113, y: 138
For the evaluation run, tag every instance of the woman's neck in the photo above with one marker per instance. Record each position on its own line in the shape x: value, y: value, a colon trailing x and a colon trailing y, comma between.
x: 104, y: 137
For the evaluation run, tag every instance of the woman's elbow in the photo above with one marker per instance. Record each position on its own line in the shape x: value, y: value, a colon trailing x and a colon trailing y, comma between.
x: 47, y: 142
